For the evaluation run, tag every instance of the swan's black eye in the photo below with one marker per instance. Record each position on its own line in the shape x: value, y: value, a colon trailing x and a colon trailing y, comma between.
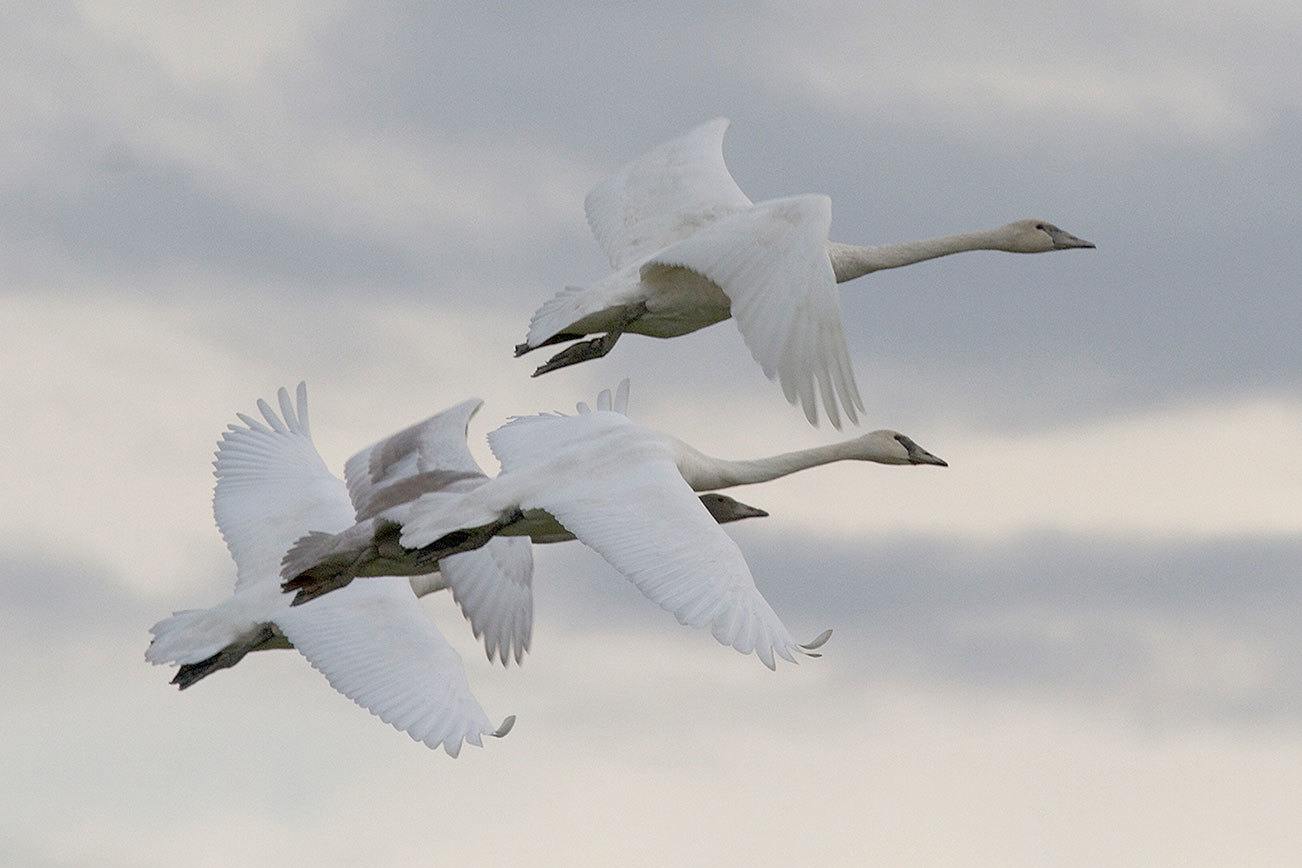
x: 1039, y: 226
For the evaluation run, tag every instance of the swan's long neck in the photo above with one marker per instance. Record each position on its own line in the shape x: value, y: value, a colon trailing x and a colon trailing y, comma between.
x: 707, y: 473
x: 852, y: 260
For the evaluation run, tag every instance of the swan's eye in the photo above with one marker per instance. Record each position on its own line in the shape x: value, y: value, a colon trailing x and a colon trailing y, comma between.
x: 1039, y: 226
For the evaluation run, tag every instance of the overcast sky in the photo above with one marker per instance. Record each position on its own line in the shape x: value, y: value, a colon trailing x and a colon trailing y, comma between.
x: 1078, y: 644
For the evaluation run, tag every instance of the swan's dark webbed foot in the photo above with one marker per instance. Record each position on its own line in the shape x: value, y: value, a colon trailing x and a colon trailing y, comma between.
x: 563, y: 337
x: 580, y: 352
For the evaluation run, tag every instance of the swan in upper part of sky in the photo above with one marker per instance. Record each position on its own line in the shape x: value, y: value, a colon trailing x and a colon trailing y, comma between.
x: 321, y: 561
x: 626, y: 492
x: 374, y: 644
x: 689, y: 249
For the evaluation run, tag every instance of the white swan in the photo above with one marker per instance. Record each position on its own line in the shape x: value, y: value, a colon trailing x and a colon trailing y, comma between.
x: 689, y: 249
x: 627, y: 492
x: 372, y: 642
x: 321, y: 561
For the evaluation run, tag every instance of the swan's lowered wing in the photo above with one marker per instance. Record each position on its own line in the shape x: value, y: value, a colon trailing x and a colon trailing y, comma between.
x: 626, y: 500
x: 771, y: 261
x: 272, y: 487
x: 664, y: 196
x: 423, y: 457
x: 493, y: 586
x: 375, y: 645
x: 618, y: 403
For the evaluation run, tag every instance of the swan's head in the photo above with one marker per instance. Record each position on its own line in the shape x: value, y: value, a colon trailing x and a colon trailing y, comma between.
x: 726, y: 509
x: 1038, y: 236
x: 892, y: 447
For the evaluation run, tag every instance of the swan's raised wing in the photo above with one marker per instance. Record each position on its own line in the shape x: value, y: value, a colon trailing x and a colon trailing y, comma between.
x: 272, y: 488
x: 493, y: 586
x: 423, y: 457
x: 616, y: 404
x: 664, y: 196
x: 626, y: 500
x: 375, y: 645
x: 771, y: 261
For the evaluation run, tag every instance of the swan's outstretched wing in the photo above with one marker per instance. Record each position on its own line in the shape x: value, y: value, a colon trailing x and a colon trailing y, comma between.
x: 493, y: 586
x: 664, y: 196
x: 771, y: 261
x: 272, y: 487
x: 423, y: 457
x: 375, y: 645
x: 626, y: 500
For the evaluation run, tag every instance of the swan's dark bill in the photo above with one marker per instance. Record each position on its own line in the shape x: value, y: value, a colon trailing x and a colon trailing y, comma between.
x: 918, y: 455
x: 506, y: 727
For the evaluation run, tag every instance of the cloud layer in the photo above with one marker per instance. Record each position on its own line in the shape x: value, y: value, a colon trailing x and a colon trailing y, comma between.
x: 1078, y: 639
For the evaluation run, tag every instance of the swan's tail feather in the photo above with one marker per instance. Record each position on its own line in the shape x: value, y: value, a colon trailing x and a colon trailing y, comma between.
x: 551, y: 322
x: 193, y: 635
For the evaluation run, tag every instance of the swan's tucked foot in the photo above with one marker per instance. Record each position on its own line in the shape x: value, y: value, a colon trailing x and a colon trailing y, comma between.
x: 191, y: 673
x: 562, y: 338
x: 580, y: 352
x: 307, y: 587
x: 506, y: 726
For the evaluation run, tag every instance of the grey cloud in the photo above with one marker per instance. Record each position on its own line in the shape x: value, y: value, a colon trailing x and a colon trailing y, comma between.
x: 1188, y: 296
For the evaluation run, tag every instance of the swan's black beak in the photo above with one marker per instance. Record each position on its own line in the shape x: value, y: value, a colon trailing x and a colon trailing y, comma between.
x: 1066, y: 241
x: 745, y: 510
x: 918, y: 455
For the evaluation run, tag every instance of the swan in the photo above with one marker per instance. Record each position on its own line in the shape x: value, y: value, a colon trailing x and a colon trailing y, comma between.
x: 689, y: 249
x: 272, y: 487
x: 321, y: 561
x: 626, y: 492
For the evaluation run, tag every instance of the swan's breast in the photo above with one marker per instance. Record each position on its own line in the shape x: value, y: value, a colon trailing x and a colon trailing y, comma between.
x: 679, y: 301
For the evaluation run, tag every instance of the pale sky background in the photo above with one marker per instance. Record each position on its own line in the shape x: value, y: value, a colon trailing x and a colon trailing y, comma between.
x: 1079, y: 644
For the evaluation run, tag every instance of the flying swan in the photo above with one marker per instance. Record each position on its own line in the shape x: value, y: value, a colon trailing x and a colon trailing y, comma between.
x: 626, y: 492
x: 689, y: 249
x: 373, y: 643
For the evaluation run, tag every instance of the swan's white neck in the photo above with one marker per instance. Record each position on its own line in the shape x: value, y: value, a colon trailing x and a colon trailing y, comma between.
x: 707, y: 473
x: 852, y: 260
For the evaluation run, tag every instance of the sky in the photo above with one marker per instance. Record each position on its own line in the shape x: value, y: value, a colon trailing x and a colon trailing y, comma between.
x: 1077, y: 644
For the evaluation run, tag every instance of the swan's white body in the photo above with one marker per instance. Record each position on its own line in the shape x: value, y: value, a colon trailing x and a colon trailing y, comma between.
x: 373, y: 642
x: 690, y: 249
x: 627, y: 492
